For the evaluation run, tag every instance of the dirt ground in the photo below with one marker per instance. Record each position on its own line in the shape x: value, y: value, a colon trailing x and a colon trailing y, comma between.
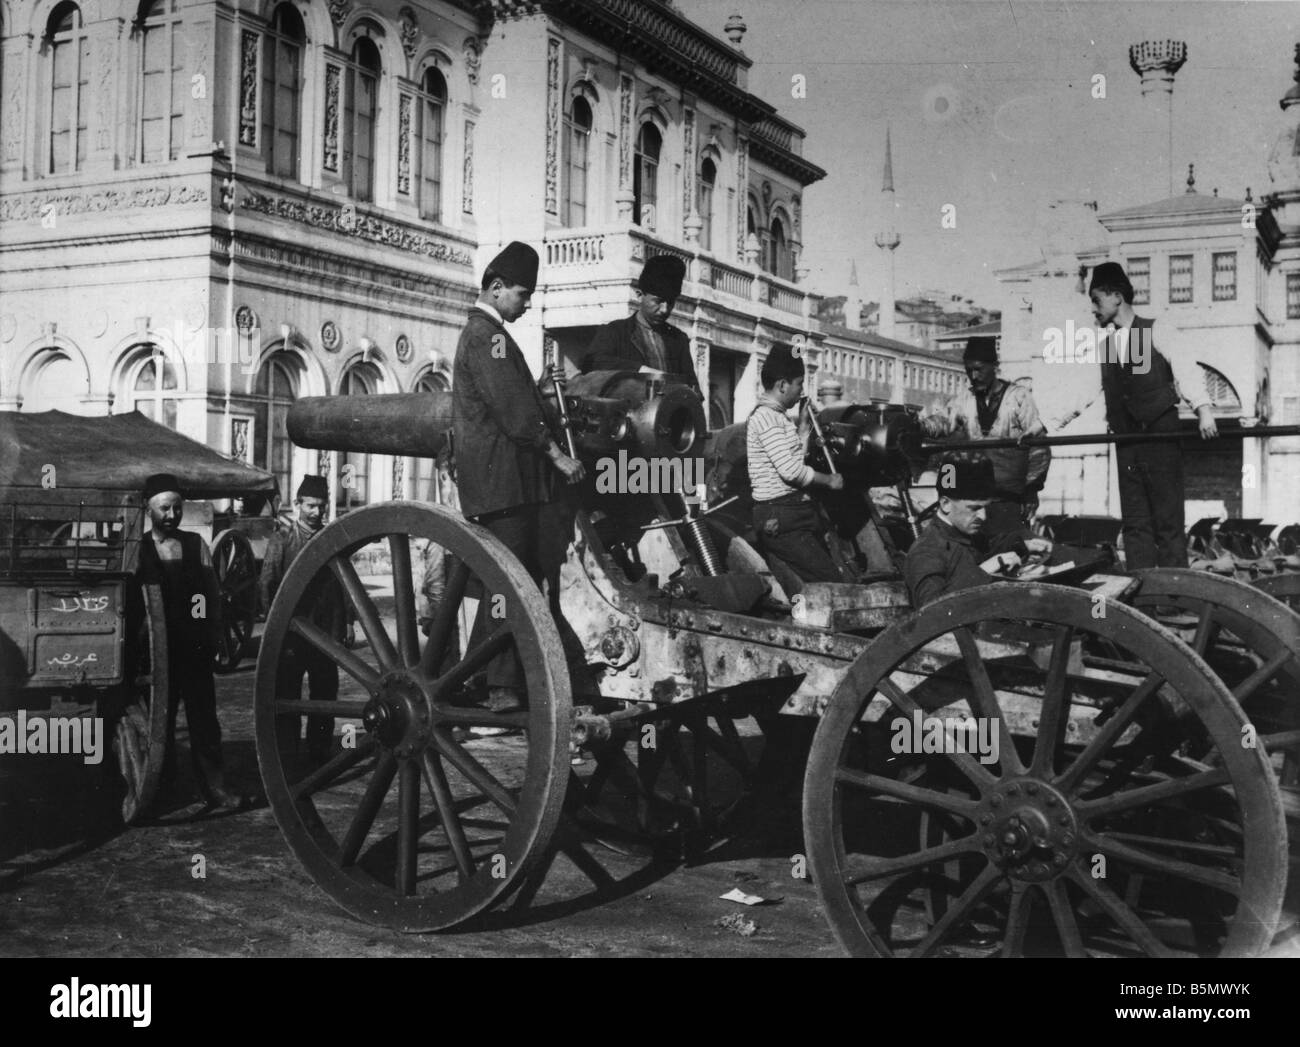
x: 74, y: 882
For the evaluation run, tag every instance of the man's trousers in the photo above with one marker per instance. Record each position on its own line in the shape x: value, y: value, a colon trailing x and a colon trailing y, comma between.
x: 1151, y: 502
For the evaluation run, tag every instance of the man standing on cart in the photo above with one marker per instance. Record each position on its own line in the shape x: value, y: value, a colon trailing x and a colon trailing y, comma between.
x: 179, y: 563
x: 327, y: 612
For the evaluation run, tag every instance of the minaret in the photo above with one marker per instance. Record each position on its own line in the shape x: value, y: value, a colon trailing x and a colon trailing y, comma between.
x: 887, y: 240
x: 853, y: 303
x: 1156, y: 62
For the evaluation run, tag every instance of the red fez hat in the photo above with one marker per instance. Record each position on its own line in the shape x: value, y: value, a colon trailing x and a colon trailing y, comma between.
x: 516, y: 265
x: 662, y: 276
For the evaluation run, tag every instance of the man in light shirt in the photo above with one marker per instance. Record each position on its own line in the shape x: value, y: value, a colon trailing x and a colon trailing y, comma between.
x: 1142, y: 388
x: 786, y: 520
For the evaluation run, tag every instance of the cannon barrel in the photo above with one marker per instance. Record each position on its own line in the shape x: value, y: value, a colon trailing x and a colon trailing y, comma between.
x: 874, y: 445
x: 1256, y: 432
x: 609, y: 410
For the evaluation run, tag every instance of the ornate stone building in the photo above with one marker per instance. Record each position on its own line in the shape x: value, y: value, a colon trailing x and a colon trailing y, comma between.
x: 211, y: 207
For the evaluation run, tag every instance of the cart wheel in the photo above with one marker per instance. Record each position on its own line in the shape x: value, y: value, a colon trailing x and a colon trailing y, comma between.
x: 140, y: 735
x: 1085, y: 832
x: 492, y: 804
x: 236, y: 567
x: 1284, y: 587
x: 679, y: 782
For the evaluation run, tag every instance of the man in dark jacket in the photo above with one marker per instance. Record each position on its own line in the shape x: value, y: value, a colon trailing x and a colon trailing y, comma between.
x: 506, y: 456
x: 1143, y: 388
x: 645, y: 341
x: 324, y: 605
x: 947, y: 557
x: 179, y: 563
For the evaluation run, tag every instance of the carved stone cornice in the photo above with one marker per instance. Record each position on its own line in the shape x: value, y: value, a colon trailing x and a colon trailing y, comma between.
x: 28, y: 207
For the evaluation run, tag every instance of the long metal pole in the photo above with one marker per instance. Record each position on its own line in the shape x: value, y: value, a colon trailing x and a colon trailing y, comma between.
x: 1258, y: 432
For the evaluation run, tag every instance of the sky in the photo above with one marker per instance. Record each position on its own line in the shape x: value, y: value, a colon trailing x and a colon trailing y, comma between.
x: 991, y: 110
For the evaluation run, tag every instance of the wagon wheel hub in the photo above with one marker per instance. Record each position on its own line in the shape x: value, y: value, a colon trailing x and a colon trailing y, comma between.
x: 1029, y: 830
x: 397, y: 715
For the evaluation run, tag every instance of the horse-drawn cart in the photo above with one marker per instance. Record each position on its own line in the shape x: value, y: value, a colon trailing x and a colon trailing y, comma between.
x: 78, y: 636
x: 1059, y: 770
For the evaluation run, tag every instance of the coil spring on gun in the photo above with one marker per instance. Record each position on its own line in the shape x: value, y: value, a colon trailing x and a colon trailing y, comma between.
x: 702, y: 543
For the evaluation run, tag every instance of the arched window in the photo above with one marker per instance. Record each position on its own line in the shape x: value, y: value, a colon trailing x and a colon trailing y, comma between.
x: 67, y: 59
x: 782, y: 260
x: 577, y: 143
x: 151, y: 386
x: 645, y: 176
x: 56, y: 383
x: 164, y: 82
x: 432, y: 101
x: 359, y: 380
x: 282, y: 91
x: 360, y: 109
x: 276, y: 389
x: 425, y: 473
x: 708, y: 182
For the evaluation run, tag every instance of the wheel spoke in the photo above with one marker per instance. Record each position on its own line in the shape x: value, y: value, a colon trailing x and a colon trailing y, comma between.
x: 436, y: 779
x: 444, y: 619
x: 876, y: 868
x: 1117, y: 910
x: 1074, y: 775
x: 364, y: 818
x: 970, y: 897
x: 348, y: 661
x: 476, y: 658
x: 1166, y: 866
x: 1063, y: 914
x: 986, y: 702
x: 1022, y: 900
x: 474, y: 771
x: 1261, y: 676
x: 1055, y: 710
x: 1149, y: 794
x: 366, y: 611
x: 967, y: 764
x: 341, y: 761
x: 914, y: 794
x: 408, y: 633
x: 408, y: 826
x: 1205, y: 628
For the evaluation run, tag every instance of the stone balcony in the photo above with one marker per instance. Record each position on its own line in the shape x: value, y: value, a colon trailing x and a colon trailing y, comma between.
x: 587, y: 276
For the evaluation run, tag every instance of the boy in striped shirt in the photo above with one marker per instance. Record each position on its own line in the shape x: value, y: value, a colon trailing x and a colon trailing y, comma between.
x: 786, y: 520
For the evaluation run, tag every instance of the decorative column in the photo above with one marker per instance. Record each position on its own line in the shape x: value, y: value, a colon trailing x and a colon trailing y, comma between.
x: 625, y: 199
x: 554, y: 122
x: 250, y: 80
x: 692, y: 224
x: 13, y: 107
x: 201, y: 91
x: 1157, y: 62
x: 467, y: 171
x: 105, y: 41
x: 742, y: 192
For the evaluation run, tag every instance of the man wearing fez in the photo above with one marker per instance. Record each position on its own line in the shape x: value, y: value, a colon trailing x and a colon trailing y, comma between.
x: 995, y: 409
x: 645, y: 341
x: 323, y: 600
x: 1142, y: 388
x: 948, y: 554
x: 506, y: 457
x: 180, y: 564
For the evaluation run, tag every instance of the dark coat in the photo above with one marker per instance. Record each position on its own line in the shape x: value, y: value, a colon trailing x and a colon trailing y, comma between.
x: 323, y: 597
x: 498, y: 420
x: 615, y: 348
x: 1140, y: 402
x: 943, y: 560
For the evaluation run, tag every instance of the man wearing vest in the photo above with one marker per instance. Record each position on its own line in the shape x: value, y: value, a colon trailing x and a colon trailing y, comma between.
x: 786, y: 519
x: 324, y: 606
x: 1142, y: 388
x: 646, y: 341
x: 506, y: 456
x: 179, y: 563
x: 995, y: 409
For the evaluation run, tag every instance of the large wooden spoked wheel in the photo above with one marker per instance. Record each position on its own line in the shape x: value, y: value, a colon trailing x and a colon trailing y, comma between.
x: 406, y: 823
x: 1284, y: 587
x: 236, y: 569
x: 1087, y: 835
x: 140, y: 733
x: 1252, y: 640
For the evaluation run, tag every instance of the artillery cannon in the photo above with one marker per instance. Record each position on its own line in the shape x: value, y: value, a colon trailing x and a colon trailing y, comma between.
x: 1115, y: 735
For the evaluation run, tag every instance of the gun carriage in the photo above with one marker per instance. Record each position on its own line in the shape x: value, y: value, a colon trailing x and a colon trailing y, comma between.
x: 78, y: 636
x: 1116, y: 706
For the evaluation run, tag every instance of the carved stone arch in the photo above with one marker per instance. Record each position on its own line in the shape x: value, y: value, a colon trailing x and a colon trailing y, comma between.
x: 440, y: 371
x: 761, y: 221
x: 315, y: 381
x: 376, y: 358
x: 436, y: 54
x: 382, y: 31
x: 130, y: 350
x: 649, y: 112
x: 34, y: 354
x: 314, y: 14
x: 91, y: 11
x: 780, y: 209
